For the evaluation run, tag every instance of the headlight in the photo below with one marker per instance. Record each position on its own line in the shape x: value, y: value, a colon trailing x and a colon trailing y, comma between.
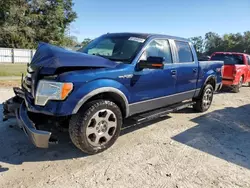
x: 51, y: 90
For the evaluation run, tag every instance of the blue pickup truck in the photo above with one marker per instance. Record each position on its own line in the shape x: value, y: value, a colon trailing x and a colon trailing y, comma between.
x: 118, y: 75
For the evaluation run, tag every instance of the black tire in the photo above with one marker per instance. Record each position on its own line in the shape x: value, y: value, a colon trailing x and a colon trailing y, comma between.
x: 236, y: 88
x: 200, y: 106
x: 81, y: 122
x: 248, y: 84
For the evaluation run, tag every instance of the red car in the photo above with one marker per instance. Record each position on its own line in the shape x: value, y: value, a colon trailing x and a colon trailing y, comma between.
x: 236, y: 69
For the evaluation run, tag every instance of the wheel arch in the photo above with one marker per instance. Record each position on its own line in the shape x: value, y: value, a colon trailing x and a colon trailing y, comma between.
x: 209, y: 80
x: 108, y: 93
x: 244, y: 77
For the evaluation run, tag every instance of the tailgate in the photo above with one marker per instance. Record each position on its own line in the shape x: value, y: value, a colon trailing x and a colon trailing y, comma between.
x: 228, y: 71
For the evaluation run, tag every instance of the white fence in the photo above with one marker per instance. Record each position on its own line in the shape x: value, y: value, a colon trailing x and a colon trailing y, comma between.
x: 12, y: 55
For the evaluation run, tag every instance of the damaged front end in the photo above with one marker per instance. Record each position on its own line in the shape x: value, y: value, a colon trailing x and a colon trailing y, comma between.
x: 50, y: 64
x: 15, y: 107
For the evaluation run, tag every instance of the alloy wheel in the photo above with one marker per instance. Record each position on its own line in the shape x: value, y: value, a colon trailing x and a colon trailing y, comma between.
x: 101, y: 127
x: 207, y: 98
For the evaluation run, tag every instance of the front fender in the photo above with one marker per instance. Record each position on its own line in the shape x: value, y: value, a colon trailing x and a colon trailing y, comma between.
x: 90, y: 89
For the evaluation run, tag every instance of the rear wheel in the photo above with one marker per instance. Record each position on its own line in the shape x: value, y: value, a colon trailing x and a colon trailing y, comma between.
x: 96, y: 127
x: 204, y: 101
x: 236, y: 88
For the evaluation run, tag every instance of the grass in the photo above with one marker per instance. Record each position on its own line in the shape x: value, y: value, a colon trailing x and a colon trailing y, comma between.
x: 12, y: 69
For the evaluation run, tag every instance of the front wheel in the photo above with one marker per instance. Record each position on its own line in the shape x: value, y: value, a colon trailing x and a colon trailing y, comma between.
x: 204, y: 101
x: 96, y: 127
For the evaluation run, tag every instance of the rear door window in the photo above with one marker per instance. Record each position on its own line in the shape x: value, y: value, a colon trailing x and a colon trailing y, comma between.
x: 184, y: 52
x: 229, y: 59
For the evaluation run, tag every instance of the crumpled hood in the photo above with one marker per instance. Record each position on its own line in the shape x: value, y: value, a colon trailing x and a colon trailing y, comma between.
x: 48, y: 58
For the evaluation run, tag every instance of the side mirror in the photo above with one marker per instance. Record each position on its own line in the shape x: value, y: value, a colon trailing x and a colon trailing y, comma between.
x: 152, y: 62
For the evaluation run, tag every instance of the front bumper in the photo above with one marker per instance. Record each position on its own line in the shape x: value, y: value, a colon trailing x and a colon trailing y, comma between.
x: 38, y: 137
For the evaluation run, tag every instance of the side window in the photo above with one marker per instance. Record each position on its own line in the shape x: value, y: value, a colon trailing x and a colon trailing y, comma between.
x: 158, y: 48
x: 184, y: 52
x: 248, y: 60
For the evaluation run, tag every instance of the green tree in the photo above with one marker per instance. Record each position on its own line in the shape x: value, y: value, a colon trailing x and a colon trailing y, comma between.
x: 85, y: 42
x: 70, y: 41
x: 246, y: 39
x: 27, y: 22
x: 14, y: 29
x: 233, y: 42
x: 213, y: 43
x: 198, y: 43
x: 228, y: 42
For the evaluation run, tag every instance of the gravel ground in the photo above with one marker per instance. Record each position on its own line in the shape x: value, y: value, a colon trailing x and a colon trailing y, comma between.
x: 185, y: 149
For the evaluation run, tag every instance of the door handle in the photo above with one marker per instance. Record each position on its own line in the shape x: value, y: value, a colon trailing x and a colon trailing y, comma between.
x: 195, y: 70
x: 173, y: 72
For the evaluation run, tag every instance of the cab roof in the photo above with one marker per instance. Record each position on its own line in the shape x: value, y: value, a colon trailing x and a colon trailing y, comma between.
x: 148, y: 35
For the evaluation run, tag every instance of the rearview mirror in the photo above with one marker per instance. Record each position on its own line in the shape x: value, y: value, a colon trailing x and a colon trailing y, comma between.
x: 152, y: 62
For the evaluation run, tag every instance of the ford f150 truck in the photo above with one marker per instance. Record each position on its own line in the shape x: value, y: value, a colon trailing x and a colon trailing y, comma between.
x: 236, y: 69
x: 116, y: 76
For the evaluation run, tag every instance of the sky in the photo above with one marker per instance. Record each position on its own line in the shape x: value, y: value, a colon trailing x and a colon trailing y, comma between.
x: 183, y: 18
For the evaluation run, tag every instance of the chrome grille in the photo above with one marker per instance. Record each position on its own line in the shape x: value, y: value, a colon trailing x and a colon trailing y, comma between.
x: 27, y: 82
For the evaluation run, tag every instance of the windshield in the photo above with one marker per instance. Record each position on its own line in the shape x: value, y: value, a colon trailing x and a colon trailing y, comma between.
x: 116, y: 48
x: 229, y: 59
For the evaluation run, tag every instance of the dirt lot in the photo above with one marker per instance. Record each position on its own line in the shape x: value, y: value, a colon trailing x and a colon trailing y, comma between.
x: 186, y: 149
x: 10, y: 83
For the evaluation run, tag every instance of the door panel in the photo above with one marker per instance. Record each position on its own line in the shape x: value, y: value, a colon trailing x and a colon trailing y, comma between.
x: 187, y: 70
x: 186, y: 77
x: 150, y: 84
